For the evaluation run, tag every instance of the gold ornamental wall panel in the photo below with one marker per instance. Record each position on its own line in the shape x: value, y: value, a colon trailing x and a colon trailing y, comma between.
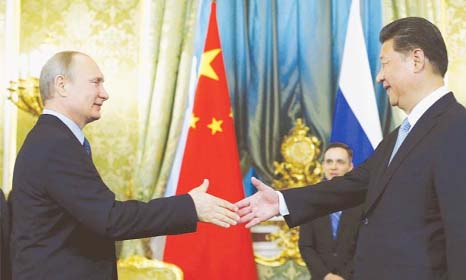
x: 455, y: 19
x: 2, y: 81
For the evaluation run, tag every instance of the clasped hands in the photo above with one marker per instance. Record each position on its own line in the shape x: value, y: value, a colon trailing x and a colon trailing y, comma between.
x: 252, y: 210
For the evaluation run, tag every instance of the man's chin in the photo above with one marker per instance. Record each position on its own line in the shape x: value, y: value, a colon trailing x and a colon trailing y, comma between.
x: 93, y: 118
x: 392, y: 101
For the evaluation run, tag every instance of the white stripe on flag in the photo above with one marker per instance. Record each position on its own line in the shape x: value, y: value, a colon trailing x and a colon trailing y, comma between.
x: 355, y: 78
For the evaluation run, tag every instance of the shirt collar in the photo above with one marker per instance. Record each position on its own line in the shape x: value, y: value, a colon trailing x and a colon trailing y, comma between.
x: 425, y: 104
x: 78, y: 133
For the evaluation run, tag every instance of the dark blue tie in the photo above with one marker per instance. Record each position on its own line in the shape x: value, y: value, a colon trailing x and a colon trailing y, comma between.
x: 335, y: 219
x: 87, y: 147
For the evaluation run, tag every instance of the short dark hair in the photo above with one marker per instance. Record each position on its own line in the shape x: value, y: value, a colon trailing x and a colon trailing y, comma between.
x: 340, y: 145
x: 416, y: 32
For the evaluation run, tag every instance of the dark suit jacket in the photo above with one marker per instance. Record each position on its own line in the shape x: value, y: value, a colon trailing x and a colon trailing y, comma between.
x: 65, y: 219
x: 413, y: 225
x: 322, y: 253
x: 5, y: 267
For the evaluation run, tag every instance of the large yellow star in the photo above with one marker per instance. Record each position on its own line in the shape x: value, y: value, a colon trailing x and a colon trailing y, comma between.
x: 206, y: 67
x: 193, y: 121
x: 215, y: 126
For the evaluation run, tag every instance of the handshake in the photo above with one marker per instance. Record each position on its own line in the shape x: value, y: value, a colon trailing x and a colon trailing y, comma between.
x: 252, y: 210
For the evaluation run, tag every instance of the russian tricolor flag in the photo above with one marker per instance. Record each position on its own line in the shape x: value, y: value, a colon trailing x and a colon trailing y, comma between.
x: 356, y: 118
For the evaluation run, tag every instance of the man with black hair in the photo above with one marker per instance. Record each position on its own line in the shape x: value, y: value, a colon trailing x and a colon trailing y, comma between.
x: 413, y: 187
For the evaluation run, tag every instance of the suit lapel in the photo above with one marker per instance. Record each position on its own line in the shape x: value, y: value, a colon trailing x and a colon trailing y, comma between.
x: 422, y: 127
x: 327, y: 227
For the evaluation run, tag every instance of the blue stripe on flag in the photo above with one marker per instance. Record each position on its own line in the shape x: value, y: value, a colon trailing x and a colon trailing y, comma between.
x: 347, y: 129
x: 356, y: 117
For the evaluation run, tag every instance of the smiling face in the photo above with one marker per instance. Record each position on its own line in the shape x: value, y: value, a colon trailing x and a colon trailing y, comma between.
x: 396, y: 75
x: 84, y: 91
x: 337, y: 162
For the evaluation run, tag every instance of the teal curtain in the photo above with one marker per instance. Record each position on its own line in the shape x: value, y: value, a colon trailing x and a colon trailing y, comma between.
x: 282, y: 60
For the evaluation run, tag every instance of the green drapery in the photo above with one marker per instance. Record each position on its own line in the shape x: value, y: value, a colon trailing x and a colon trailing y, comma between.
x: 429, y: 9
x: 162, y: 106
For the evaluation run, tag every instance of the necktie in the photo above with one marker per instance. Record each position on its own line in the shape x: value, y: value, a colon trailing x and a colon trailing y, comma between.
x: 335, y: 221
x: 87, y: 147
x: 402, y: 133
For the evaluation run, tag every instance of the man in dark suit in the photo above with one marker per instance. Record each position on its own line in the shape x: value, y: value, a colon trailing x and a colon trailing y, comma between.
x: 413, y: 187
x: 64, y: 218
x: 327, y: 244
x: 5, y: 273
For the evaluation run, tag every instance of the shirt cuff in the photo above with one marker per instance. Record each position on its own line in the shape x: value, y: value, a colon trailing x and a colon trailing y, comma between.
x: 282, y: 205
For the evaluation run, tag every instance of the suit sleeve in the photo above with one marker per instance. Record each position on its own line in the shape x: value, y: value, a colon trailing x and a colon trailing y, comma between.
x: 307, y: 243
x: 74, y: 183
x: 450, y: 185
x: 308, y: 203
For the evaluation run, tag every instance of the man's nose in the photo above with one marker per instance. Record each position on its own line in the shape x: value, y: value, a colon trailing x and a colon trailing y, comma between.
x: 104, y: 94
x: 380, y: 77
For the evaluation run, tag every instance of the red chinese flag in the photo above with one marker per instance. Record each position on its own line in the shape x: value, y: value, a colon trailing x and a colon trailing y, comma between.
x: 211, y: 152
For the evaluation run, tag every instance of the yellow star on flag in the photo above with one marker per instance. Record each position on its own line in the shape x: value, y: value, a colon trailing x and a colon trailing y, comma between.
x: 206, y: 67
x: 193, y: 121
x: 215, y: 126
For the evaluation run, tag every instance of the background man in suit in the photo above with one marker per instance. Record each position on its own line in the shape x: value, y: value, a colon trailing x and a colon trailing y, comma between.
x: 327, y: 244
x: 413, y: 186
x: 64, y: 218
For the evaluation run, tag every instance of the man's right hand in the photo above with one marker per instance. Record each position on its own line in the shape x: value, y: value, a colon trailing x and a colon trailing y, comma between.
x: 211, y: 209
x: 332, y: 276
x: 259, y: 207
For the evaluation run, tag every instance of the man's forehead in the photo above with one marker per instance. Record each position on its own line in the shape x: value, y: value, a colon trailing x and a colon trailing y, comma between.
x: 336, y: 152
x: 386, y: 48
x: 86, y: 65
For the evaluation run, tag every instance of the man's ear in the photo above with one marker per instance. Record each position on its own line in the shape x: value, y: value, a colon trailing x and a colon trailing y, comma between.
x: 59, y: 84
x: 419, y: 60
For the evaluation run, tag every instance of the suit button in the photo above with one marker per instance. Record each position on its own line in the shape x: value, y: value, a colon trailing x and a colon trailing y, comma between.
x: 365, y: 221
x: 335, y: 254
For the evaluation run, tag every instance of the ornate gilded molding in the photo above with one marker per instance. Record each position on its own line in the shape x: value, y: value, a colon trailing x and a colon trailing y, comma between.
x: 25, y: 95
x: 300, y: 167
x: 300, y: 153
x: 135, y: 265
